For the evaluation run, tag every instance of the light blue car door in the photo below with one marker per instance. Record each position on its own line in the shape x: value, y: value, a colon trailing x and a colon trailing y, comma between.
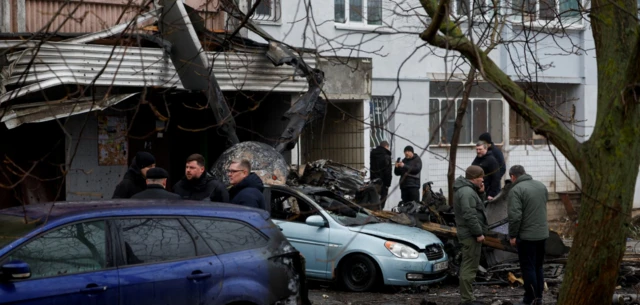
x: 290, y: 212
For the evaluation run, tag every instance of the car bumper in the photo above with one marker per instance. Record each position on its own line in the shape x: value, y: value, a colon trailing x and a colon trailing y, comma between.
x: 395, y: 271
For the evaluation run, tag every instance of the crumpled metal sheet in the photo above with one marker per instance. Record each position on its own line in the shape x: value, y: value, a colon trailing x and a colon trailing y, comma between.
x: 336, y: 177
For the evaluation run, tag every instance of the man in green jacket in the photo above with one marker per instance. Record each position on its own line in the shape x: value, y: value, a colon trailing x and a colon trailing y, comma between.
x: 471, y: 223
x: 528, y: 229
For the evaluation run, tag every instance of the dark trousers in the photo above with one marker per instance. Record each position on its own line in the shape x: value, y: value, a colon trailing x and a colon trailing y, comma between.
x: 531, y: 257
x: 384, y: 191
x: 410, y: 194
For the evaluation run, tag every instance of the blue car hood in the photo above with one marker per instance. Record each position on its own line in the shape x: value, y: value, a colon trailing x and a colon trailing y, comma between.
x: 411, y: 235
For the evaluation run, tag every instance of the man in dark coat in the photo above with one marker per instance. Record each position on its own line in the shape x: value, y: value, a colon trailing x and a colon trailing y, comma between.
x: 491, y: 169
x: 246, y: 187
x: 156, y: 184
x: 380, y: 159
x: 496, y: 151
x: 198, y: 184
x: 134, y: 180
x: 409, y: 172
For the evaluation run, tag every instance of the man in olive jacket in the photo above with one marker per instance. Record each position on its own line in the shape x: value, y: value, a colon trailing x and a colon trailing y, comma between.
x: 528, y: 229
x: 471, y: 223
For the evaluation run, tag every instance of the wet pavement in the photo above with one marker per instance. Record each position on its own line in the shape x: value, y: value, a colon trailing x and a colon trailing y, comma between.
x: 434, y: 295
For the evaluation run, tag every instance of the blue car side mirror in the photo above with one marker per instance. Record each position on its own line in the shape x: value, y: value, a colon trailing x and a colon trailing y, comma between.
x: 16, y: 269
x: 316, y: 221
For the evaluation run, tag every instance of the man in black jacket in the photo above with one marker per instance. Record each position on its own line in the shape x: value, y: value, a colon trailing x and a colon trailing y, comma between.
x: 198, y: 184
x: 380, y: 159
x: 156, y: 184
x: 491, y: 169
x: 134, y: 180
x: 246, y: 187
x: 495, y: 150
x: 409, y: 172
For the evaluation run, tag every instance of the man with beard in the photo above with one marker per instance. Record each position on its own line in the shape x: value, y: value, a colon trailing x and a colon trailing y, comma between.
x: 198, y: 184
x: 246, y: 187
x: 134, y: 180
x: 380, y: 159
x: 491, y: 169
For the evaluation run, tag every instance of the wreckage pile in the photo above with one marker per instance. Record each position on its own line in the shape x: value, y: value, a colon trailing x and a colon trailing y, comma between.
x: 499, y: 264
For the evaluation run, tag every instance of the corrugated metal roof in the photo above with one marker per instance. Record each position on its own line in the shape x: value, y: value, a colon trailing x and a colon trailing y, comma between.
x: 57, y: 63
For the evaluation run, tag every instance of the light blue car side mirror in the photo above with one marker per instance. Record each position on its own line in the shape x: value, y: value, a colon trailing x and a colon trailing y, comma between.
x: 316, y: 221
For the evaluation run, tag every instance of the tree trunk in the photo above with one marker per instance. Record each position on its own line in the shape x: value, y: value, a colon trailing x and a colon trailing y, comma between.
x: 457, y: 127
x: 599, y: 244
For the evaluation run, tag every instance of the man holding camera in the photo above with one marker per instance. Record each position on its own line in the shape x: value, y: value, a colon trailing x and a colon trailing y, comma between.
x: 409, y: 171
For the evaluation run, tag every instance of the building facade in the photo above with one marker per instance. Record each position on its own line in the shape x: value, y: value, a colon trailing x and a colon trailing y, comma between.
x: 414, y: 85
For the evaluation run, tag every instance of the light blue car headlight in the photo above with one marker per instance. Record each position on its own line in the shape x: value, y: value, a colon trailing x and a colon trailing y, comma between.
x: 401, y: 250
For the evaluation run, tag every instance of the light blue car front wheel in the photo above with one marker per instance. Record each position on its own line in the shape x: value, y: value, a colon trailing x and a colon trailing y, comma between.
x: 359, y: 273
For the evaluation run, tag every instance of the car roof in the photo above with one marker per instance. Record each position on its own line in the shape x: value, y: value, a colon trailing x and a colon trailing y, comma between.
x: 63, y: 209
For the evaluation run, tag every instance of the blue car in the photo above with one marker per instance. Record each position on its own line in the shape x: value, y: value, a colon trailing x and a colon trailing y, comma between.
x: 343, y: 242
x: 142, y: 252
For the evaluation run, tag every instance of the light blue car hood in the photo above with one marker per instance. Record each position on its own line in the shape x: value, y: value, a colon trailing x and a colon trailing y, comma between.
x: 411, y: 235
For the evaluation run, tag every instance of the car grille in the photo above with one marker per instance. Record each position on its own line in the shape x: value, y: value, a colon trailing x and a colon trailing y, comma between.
x: 434, y: 252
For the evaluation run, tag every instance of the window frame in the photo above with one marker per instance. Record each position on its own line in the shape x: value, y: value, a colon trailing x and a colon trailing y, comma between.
x: 195, y: 230
x: 298, y: 198
x: 365, y: 15
x: 471, y: 117
x: 274, y: 17
x: 121, y: 249
x: 557, y: 20
x: 110, y: 249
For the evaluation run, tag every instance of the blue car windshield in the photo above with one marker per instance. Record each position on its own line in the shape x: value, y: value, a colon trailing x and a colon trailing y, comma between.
x: 346, y: 214
x: 13, y: 227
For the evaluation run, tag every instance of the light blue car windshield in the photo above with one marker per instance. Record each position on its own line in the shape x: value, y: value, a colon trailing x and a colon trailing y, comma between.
x: 348, y: 215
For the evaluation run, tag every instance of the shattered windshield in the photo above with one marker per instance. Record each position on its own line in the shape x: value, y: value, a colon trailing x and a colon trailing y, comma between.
x: 348, y: 215
x: 13, y: 227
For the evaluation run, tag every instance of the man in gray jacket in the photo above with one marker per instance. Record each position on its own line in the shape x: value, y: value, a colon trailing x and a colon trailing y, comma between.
x: 528, y: 229
x: 471, y: 222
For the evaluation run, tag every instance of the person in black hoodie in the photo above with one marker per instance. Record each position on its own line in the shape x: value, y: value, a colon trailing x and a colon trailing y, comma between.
x: 156, y: 184
x: 198, y: 184
x: 491, y: 169
x: 246, y: 187
x: 380, y: 159
x: 496, y: 151
x: 409, y: 172
x: 134, y: 180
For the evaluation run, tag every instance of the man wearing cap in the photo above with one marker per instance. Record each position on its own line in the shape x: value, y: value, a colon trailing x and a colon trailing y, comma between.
x: 471, y: 223
x: 528, y: 229
x: 156, y: 186
x: 495, y: 151
x: 409, y: 171
x: 134, y: 179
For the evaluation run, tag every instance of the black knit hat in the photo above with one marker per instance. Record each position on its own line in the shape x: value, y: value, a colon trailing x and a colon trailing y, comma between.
x: 408, y: 148
x: 144, y: 159
x: 157, y: 173
x: 485, y: 137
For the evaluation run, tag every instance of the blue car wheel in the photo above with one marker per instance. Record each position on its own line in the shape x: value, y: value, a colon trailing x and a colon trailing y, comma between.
x: 359, y: 273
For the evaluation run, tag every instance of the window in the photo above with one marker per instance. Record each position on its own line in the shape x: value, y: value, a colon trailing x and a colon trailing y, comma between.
x: 520, y: 132
x: 225, y: 236
x: 290, y: 208
x: 380, y: 109
x: 71, y: 249
x: 483, y: 115
x: 342, y: 211
x: 155, y: 240
x: 480, y: 8
x: 545, y: 10
x: 267, y: 10
x: 358, y: 11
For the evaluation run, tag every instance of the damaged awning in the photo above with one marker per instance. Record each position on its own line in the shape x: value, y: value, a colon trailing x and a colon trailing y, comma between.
x: 59, y: 63
x: 47, y: 111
